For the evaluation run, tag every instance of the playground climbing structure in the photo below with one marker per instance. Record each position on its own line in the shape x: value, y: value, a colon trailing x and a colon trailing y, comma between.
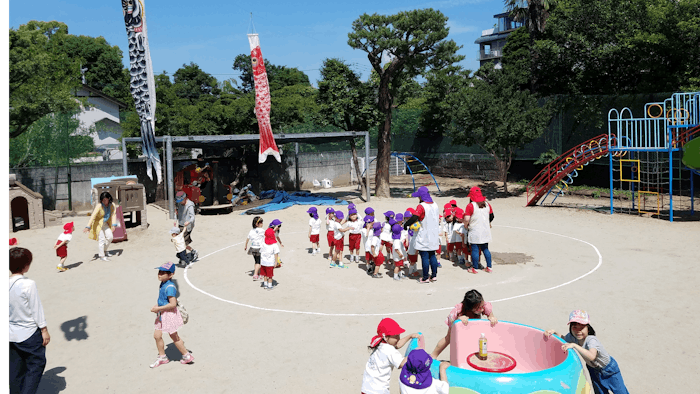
x: 644, y: 155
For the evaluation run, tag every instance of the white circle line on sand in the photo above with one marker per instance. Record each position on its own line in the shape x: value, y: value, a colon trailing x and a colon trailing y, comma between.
x: 600, y: 262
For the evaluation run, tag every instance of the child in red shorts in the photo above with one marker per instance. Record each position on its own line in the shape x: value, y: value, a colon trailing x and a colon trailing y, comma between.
x: 330, y: 219
x: 367, y: 235
x: 377, y: 255
x: 339, y: 240
x: 314, y: 230
x: 269, y: 254
x: 399, y: 251
x: 61, y: 246
x: 385, y: 236
x: 354, y: 239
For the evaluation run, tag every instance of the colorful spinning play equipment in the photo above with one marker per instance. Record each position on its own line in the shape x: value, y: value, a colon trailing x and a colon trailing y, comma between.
x: 665, y: 128
x: 538, y: 366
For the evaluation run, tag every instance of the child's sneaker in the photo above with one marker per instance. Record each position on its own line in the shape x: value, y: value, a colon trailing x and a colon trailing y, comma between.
x: 341, y: 265
x: 402, y: 275
x: 195, y: 255
x: 187, y: 358
x: 488, y: 270
x: 255, y: 277
x: 333, y: 265
x: 397, y: 277
x: 160, y: 361
x: 61, y: 268
x: 439, y: 265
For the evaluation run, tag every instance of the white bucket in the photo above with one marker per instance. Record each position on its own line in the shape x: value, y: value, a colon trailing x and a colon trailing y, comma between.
x: 327, y: 183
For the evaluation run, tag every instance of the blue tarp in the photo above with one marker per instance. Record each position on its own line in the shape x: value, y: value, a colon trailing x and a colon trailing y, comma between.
x: 282, y: 200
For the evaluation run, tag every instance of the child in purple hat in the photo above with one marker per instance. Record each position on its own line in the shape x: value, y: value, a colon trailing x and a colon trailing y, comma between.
x: 168, y: 317
x: 415, y: 375
x: 330, y: 219
x: 376, y: 248
x: 355, y: 236
x: 367, y: 235
x: 339, y: 240
x: 314, y: 230
x: 398, y: 250
x: 385, y: 236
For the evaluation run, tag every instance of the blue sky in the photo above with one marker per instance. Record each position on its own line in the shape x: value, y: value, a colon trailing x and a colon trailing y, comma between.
x: 211, y: 33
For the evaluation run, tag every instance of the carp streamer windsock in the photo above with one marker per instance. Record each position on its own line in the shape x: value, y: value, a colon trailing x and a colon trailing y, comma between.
x: 262, y: 102
x: 143, y: 87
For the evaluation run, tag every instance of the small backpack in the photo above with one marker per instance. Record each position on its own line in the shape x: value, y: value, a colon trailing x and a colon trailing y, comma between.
x: 181, y: 308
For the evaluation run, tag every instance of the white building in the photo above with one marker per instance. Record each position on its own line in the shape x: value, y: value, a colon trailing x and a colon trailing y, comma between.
x: 103, y: 114
x: 493, y: 40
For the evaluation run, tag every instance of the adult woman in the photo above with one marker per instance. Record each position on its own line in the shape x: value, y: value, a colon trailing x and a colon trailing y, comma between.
x: 427, y: 237
x: 101, y: 224
x: 477, y: 219
x: 28, y: 333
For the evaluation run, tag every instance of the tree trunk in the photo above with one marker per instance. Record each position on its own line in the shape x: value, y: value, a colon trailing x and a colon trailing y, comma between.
x: 382, y: 187
x: 357, y: 168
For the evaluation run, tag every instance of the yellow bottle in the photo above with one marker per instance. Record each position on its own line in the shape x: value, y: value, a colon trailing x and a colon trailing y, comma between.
x: 482, y: 347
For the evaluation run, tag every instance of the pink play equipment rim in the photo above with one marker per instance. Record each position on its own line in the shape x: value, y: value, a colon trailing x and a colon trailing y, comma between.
x: 527, y: 345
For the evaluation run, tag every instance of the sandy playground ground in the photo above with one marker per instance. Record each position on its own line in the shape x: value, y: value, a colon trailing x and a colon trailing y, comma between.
x: 637, y: 277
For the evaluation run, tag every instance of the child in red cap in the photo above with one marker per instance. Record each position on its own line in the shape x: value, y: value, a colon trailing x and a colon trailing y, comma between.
x: 269, y: 253
x: 385, y: 356
x: 61, y: 246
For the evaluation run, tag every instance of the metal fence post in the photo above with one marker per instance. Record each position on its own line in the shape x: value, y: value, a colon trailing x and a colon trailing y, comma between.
x: 171, y: 186
x: 367, y: 165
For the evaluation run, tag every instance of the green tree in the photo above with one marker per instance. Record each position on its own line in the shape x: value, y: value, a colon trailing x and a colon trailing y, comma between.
x: 435, y: 118
x: 498, y: 117
x: 409, y: 42
x: 42, y: 81
x: 53, y: 140
x: 277, y: 76
x: 346, y: 102
x: 193, y: 84
x: 533, y: 12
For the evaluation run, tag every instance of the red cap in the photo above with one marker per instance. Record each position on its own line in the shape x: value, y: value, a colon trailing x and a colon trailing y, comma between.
x: 475, y: 194
x: 13, y: 241
x: 386, y: 327
x: 449, y: 212
x: 447, y: 206
x: 453, y: 203
x: 68, y: 227
x: 459, y: 214
x: 270, y: 236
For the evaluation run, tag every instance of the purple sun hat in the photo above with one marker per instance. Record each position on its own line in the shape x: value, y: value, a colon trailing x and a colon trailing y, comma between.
x: 377, y: 227
x: 407, y: 214
x: 369, y: 219
x: 423, y: 194
x: 369, y: 211
x: 312, y: 210
x: 389, y: 214
x: 351, y: 206
x: 398, y: 218
x: 329, y: 210
x: 339, y: 215
x: 352, y: 211
x: 396, y: 231
x: 416, y: 372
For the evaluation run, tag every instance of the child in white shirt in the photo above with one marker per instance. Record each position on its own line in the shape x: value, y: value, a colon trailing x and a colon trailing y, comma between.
x: 61, y: 246
x: 314, y: 230
x: 269, y: 254
x: 178, y: 240
x: 339, y: 240
x: 385, y: 356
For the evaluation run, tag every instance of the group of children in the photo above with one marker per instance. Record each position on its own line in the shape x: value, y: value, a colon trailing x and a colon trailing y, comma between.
x: 415, y: 376
x: 388, y: 240
x: 265, y: 248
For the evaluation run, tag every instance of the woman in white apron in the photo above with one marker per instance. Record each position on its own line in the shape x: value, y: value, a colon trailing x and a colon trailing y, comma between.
x: 477, y: 218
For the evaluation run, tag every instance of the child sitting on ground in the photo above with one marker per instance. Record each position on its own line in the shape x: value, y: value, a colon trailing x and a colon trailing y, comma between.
x: 385, y: 356
x: 415, y: 376
x: 472, y: 306
x: 61, y: 246
x: 604, y: 371
x: 178, y: 240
